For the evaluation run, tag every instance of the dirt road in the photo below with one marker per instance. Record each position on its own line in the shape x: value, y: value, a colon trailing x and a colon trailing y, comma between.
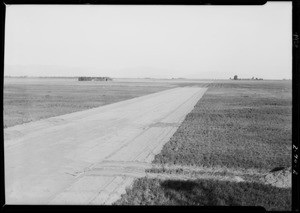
x: 53, y: 161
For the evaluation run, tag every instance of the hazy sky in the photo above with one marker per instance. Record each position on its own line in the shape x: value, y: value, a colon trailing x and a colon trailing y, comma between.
x: 149, y: 41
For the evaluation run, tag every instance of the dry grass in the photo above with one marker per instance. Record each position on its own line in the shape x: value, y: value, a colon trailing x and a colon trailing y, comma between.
x: 242, y: 125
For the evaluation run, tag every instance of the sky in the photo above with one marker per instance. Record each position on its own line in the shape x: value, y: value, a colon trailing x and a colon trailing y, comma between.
x: 204, y: 42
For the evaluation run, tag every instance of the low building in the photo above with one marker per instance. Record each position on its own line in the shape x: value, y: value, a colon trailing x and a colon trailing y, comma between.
x: 94, y: 79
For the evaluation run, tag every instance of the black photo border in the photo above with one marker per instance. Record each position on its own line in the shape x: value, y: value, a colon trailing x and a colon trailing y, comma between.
x: 85, y: 208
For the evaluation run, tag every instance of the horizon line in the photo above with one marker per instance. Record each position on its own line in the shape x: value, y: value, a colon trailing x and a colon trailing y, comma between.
x: 178, y: 78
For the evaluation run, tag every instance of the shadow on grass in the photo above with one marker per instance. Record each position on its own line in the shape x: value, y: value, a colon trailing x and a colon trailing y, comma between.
x: 224, y: 193
x: 206, y: 193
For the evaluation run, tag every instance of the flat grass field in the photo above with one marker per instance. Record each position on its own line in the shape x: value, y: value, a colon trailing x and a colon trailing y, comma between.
x: 31, y: 99
x: 235, y: 125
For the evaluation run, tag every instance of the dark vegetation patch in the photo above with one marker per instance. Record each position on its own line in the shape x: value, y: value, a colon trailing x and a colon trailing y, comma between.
x: 206, y: 193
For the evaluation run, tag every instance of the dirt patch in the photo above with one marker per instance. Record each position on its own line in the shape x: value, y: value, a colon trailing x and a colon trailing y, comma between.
x: 279, y: 178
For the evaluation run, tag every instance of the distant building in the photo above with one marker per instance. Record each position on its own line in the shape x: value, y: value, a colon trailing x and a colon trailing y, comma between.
x: 102, y: 79
x: 246, y: 79
x: 94, y: 79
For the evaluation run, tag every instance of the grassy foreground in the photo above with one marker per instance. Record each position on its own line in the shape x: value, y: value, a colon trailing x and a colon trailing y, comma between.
x: 235, y: 125
x: 206, y: 193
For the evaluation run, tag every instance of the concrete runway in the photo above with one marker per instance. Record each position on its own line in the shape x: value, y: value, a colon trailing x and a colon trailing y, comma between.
x: 62, y: 160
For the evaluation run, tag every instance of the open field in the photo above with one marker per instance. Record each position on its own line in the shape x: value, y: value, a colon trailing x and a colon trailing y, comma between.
x: 236, y: 126
x: 220, y: 153
x: 32, y: 99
